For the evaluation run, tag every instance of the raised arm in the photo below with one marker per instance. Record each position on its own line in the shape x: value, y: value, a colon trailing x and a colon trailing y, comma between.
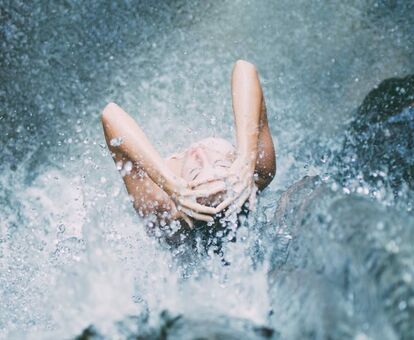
x: 254, y: 140
x: 151, y: 183
x: 255, y: 163
x: 124, y: 135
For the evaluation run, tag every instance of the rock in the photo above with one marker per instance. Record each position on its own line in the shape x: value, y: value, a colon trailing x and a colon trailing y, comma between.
x: 179, y: 327
x: 341, y: 266
x: 379, y: 143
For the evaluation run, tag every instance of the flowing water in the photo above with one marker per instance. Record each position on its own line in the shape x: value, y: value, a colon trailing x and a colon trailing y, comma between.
x: 331, y: 257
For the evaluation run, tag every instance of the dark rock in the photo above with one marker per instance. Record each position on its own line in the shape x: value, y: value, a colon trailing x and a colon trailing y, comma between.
x: 340, y: 266
x: 379, y: 143
x: 180, y: 327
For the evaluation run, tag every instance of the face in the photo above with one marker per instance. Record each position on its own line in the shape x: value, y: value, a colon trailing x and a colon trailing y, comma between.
x: 207, y: 158
x: 211, y: 157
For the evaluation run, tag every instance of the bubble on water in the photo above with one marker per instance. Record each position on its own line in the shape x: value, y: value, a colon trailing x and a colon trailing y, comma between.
x: 116, y: 141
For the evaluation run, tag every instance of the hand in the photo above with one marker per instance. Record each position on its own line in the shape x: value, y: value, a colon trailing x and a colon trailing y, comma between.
x: 239, y: 184
x: 186, y: 205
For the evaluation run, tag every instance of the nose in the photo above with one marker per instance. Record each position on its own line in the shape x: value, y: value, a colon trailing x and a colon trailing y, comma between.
x: 201, y: 156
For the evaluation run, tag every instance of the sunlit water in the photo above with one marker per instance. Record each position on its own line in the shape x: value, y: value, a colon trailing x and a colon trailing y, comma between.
x: 332, y: 263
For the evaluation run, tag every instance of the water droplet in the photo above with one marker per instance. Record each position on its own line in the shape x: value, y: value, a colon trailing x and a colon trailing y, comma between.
x: 407, y: 277
x: 402, y: 305
x: 361, y: 336
x: 128, y: 166
x: 117, y: 141
x: 392, y: 247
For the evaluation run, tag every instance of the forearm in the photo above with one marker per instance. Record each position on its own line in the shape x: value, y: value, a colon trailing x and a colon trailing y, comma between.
x: 124, y: 135
x: 247, y: 98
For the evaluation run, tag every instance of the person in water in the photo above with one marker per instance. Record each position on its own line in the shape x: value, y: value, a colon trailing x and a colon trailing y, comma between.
x: 211, y: 177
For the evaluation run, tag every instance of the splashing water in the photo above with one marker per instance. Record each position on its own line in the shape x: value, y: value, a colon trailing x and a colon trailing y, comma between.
x: 319, y: 260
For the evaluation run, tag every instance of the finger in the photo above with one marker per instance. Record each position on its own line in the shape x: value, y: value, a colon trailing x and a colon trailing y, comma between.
x: 197, y: 207
x: 238, y: 204
x: 198, y: 182
x: 236, y: 207
x: 214, y: 189
x: 217, y: 188
x: 174, y: 212
x: 197, y: 216
x: 178, y: 214
x: 229, y: 201
x: 187, y: 220
x: 252, y: 198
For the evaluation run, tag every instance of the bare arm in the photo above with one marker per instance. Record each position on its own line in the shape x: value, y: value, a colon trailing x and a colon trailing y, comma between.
x: 254, y: 140
x: 128, y: 138
x: 147, y: 196
x: 255, y: 164
x: 127, y: 141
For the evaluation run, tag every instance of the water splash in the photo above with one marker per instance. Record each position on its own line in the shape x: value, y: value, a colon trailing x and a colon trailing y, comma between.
x: 72, y: 251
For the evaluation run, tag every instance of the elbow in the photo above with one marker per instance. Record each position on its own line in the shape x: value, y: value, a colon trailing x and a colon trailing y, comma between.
x: 108, y: 112
x: 243, y: 64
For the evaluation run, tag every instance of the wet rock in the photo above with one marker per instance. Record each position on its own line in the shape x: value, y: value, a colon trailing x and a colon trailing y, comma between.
x: 379, y: 143
x: 341, y: 266
x: 179, y: 327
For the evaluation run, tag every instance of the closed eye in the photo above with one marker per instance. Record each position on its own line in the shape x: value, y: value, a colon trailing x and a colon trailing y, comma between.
x: 195, y: 176
x: 194, y: 173
x: 222, y: 163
